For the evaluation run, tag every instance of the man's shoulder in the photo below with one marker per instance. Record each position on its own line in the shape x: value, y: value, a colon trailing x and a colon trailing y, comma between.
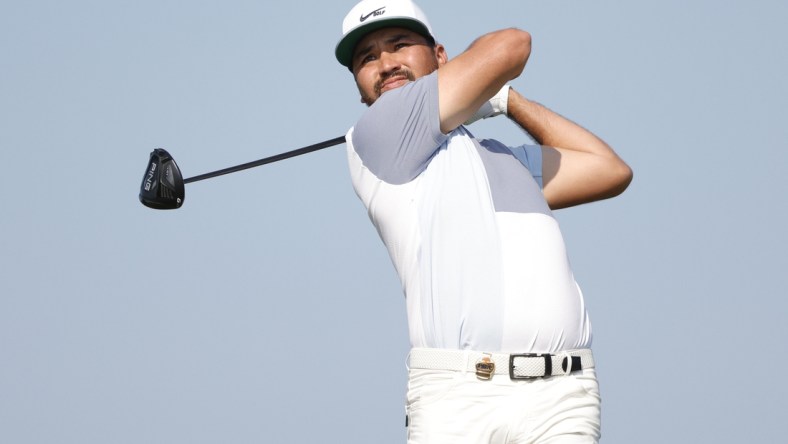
x: 398, y: 134
x: 401, y: 110
x: 395, y: 102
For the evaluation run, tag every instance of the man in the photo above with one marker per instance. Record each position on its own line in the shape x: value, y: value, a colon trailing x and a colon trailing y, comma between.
x: 499, y: 332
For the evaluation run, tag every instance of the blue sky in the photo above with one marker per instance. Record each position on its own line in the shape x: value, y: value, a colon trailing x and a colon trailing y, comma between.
x: 267, y: 310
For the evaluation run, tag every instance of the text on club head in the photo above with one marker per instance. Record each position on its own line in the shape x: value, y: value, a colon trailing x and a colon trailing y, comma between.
x: 149, y: 177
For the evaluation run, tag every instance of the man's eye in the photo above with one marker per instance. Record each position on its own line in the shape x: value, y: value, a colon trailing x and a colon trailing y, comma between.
x: 364, y: 60
x: 400, y: 45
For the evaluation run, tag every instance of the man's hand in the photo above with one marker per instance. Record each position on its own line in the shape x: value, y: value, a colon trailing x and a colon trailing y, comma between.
x: 496, y: 106
x: 577, y: 166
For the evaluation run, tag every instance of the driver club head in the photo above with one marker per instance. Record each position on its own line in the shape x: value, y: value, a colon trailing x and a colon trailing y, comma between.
x: 162, y: 185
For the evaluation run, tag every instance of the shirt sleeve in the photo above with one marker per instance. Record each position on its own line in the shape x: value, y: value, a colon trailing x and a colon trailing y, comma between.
x: 531, y: 157
x: 398, y: 135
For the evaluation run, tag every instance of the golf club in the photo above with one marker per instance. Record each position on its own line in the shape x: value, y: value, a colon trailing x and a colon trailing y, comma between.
x: 163, y: 187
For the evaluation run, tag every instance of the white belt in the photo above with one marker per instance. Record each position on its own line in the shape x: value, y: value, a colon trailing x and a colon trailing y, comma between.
x: 516, y: 365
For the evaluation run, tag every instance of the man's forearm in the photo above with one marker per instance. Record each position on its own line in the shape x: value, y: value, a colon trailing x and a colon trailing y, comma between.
x: 551, y: 129
x: 577, y: 166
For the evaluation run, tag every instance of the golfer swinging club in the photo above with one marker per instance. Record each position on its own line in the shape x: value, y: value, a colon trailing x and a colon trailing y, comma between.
x: 499, y: 332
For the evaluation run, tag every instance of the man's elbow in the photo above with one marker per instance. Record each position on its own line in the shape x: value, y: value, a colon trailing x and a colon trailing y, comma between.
x: 520, y: 42
x: 521, y: 46
x: 514, y: 48
x: 620, y: 177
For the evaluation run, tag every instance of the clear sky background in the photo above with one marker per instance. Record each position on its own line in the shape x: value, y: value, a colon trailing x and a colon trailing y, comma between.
x: 267, y: 310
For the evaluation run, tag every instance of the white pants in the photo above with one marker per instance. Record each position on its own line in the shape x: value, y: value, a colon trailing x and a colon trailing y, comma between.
x: 454, y: 407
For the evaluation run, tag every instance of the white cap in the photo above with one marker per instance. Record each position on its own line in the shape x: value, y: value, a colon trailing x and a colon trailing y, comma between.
x: 370, y: 15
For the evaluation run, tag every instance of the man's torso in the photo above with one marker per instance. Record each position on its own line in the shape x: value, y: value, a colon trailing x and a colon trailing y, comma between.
x: 481, y: 258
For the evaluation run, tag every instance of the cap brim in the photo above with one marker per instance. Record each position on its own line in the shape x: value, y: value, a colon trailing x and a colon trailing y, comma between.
x: 346, y: 46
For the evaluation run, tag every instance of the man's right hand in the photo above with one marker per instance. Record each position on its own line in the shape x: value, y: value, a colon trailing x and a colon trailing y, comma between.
x: 496, y: 106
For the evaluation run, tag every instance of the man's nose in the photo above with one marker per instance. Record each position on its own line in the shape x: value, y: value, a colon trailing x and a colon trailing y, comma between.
x: 389, y: 62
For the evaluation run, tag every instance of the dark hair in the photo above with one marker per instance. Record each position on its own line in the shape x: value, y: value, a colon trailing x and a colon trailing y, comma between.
x: 430, y: 41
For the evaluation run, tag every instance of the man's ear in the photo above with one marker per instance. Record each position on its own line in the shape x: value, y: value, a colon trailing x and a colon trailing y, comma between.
x: 441, y: 55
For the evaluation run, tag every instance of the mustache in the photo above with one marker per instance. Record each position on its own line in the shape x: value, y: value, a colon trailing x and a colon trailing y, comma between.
x: 399, y: 73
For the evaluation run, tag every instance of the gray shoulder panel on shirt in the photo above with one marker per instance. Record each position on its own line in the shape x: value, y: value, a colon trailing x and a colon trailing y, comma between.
x: 398, y: 135
x: 513, y: 178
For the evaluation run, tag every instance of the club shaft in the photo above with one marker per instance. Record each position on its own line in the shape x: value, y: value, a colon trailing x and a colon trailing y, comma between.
x: 275, y: 158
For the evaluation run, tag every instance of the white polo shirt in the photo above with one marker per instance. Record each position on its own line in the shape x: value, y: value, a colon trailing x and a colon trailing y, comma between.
x: 481, y: 258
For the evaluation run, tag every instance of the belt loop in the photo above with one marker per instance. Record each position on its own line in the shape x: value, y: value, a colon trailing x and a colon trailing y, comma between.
x: 566, y: 357
x: 407, y: 360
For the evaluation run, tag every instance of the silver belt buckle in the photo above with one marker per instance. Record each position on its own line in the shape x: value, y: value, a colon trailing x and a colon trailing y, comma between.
x: 548, y: 365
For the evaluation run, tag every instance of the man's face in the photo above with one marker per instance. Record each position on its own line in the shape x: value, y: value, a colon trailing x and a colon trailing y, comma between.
x: 391, y: 57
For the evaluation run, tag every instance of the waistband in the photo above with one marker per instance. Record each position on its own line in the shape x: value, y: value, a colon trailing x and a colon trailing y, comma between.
x: 516, y: 365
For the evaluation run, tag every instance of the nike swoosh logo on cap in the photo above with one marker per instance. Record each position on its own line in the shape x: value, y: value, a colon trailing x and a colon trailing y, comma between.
x: 375, y: 12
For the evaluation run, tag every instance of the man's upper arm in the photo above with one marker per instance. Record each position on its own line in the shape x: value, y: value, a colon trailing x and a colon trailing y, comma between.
x: 473, y: 77
x: 574, y: 177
